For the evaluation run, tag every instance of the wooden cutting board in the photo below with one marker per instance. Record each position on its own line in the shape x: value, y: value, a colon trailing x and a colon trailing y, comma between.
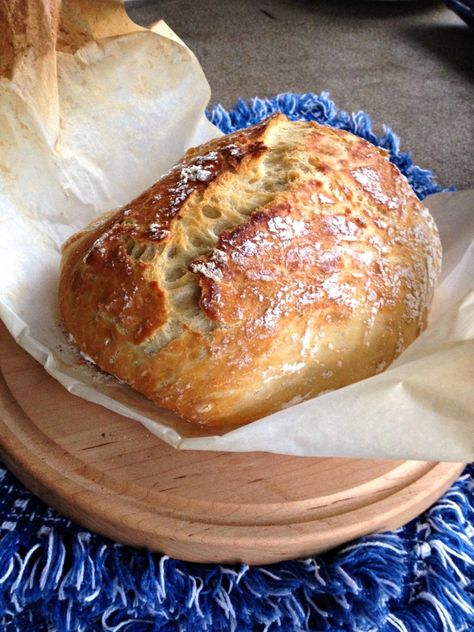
x: 112, y: 476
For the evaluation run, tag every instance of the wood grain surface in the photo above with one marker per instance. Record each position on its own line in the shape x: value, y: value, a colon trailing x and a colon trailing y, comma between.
x: 112, y: 476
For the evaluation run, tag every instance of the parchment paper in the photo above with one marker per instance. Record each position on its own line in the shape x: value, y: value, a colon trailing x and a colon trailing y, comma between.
x: 86, y: 129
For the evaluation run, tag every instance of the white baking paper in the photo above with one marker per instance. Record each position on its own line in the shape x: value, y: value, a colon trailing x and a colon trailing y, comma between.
x: 120, y: 112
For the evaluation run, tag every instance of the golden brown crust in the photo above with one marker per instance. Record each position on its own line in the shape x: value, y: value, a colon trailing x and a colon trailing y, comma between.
x: 268, y: 266
x: 120, y: 289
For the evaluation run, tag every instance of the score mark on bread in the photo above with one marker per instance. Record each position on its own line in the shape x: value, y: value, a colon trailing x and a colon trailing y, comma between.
x: 270, y: 265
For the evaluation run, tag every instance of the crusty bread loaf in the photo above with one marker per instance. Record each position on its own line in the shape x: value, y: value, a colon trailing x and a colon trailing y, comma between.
x: 269, y: 266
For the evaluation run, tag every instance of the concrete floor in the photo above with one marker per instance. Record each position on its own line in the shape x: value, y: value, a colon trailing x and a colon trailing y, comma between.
x: 408, y: 64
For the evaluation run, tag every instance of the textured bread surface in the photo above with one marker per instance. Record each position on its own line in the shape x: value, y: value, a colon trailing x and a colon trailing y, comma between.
x: 267, y: 267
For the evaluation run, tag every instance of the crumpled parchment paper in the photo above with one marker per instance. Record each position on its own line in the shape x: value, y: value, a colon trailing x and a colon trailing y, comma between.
x: 92, y: 112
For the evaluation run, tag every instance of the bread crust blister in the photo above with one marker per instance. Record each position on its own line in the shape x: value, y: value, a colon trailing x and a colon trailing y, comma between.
x: 267, y: 267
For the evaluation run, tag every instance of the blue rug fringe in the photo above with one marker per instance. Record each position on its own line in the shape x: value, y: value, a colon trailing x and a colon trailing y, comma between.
x: 54, y: 576
x: 320, y: 108
x: 419, y: 577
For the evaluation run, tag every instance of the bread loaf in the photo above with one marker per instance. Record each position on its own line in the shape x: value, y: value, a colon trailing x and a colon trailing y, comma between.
x: 267, y: 267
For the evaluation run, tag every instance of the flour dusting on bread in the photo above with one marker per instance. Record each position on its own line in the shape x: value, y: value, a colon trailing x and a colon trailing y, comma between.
x: 282, y: 261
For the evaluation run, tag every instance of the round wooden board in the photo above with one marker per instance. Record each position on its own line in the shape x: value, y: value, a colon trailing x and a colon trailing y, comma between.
x: 112, y: 476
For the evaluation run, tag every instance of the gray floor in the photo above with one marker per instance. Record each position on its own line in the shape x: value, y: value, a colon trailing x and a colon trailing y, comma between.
x: 408, y: 64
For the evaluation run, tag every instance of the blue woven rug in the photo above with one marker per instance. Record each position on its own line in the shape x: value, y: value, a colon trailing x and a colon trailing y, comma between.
x: 55, y: 576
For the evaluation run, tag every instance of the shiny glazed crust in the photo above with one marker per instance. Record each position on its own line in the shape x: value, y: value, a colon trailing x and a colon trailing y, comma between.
x: 269, y: 266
